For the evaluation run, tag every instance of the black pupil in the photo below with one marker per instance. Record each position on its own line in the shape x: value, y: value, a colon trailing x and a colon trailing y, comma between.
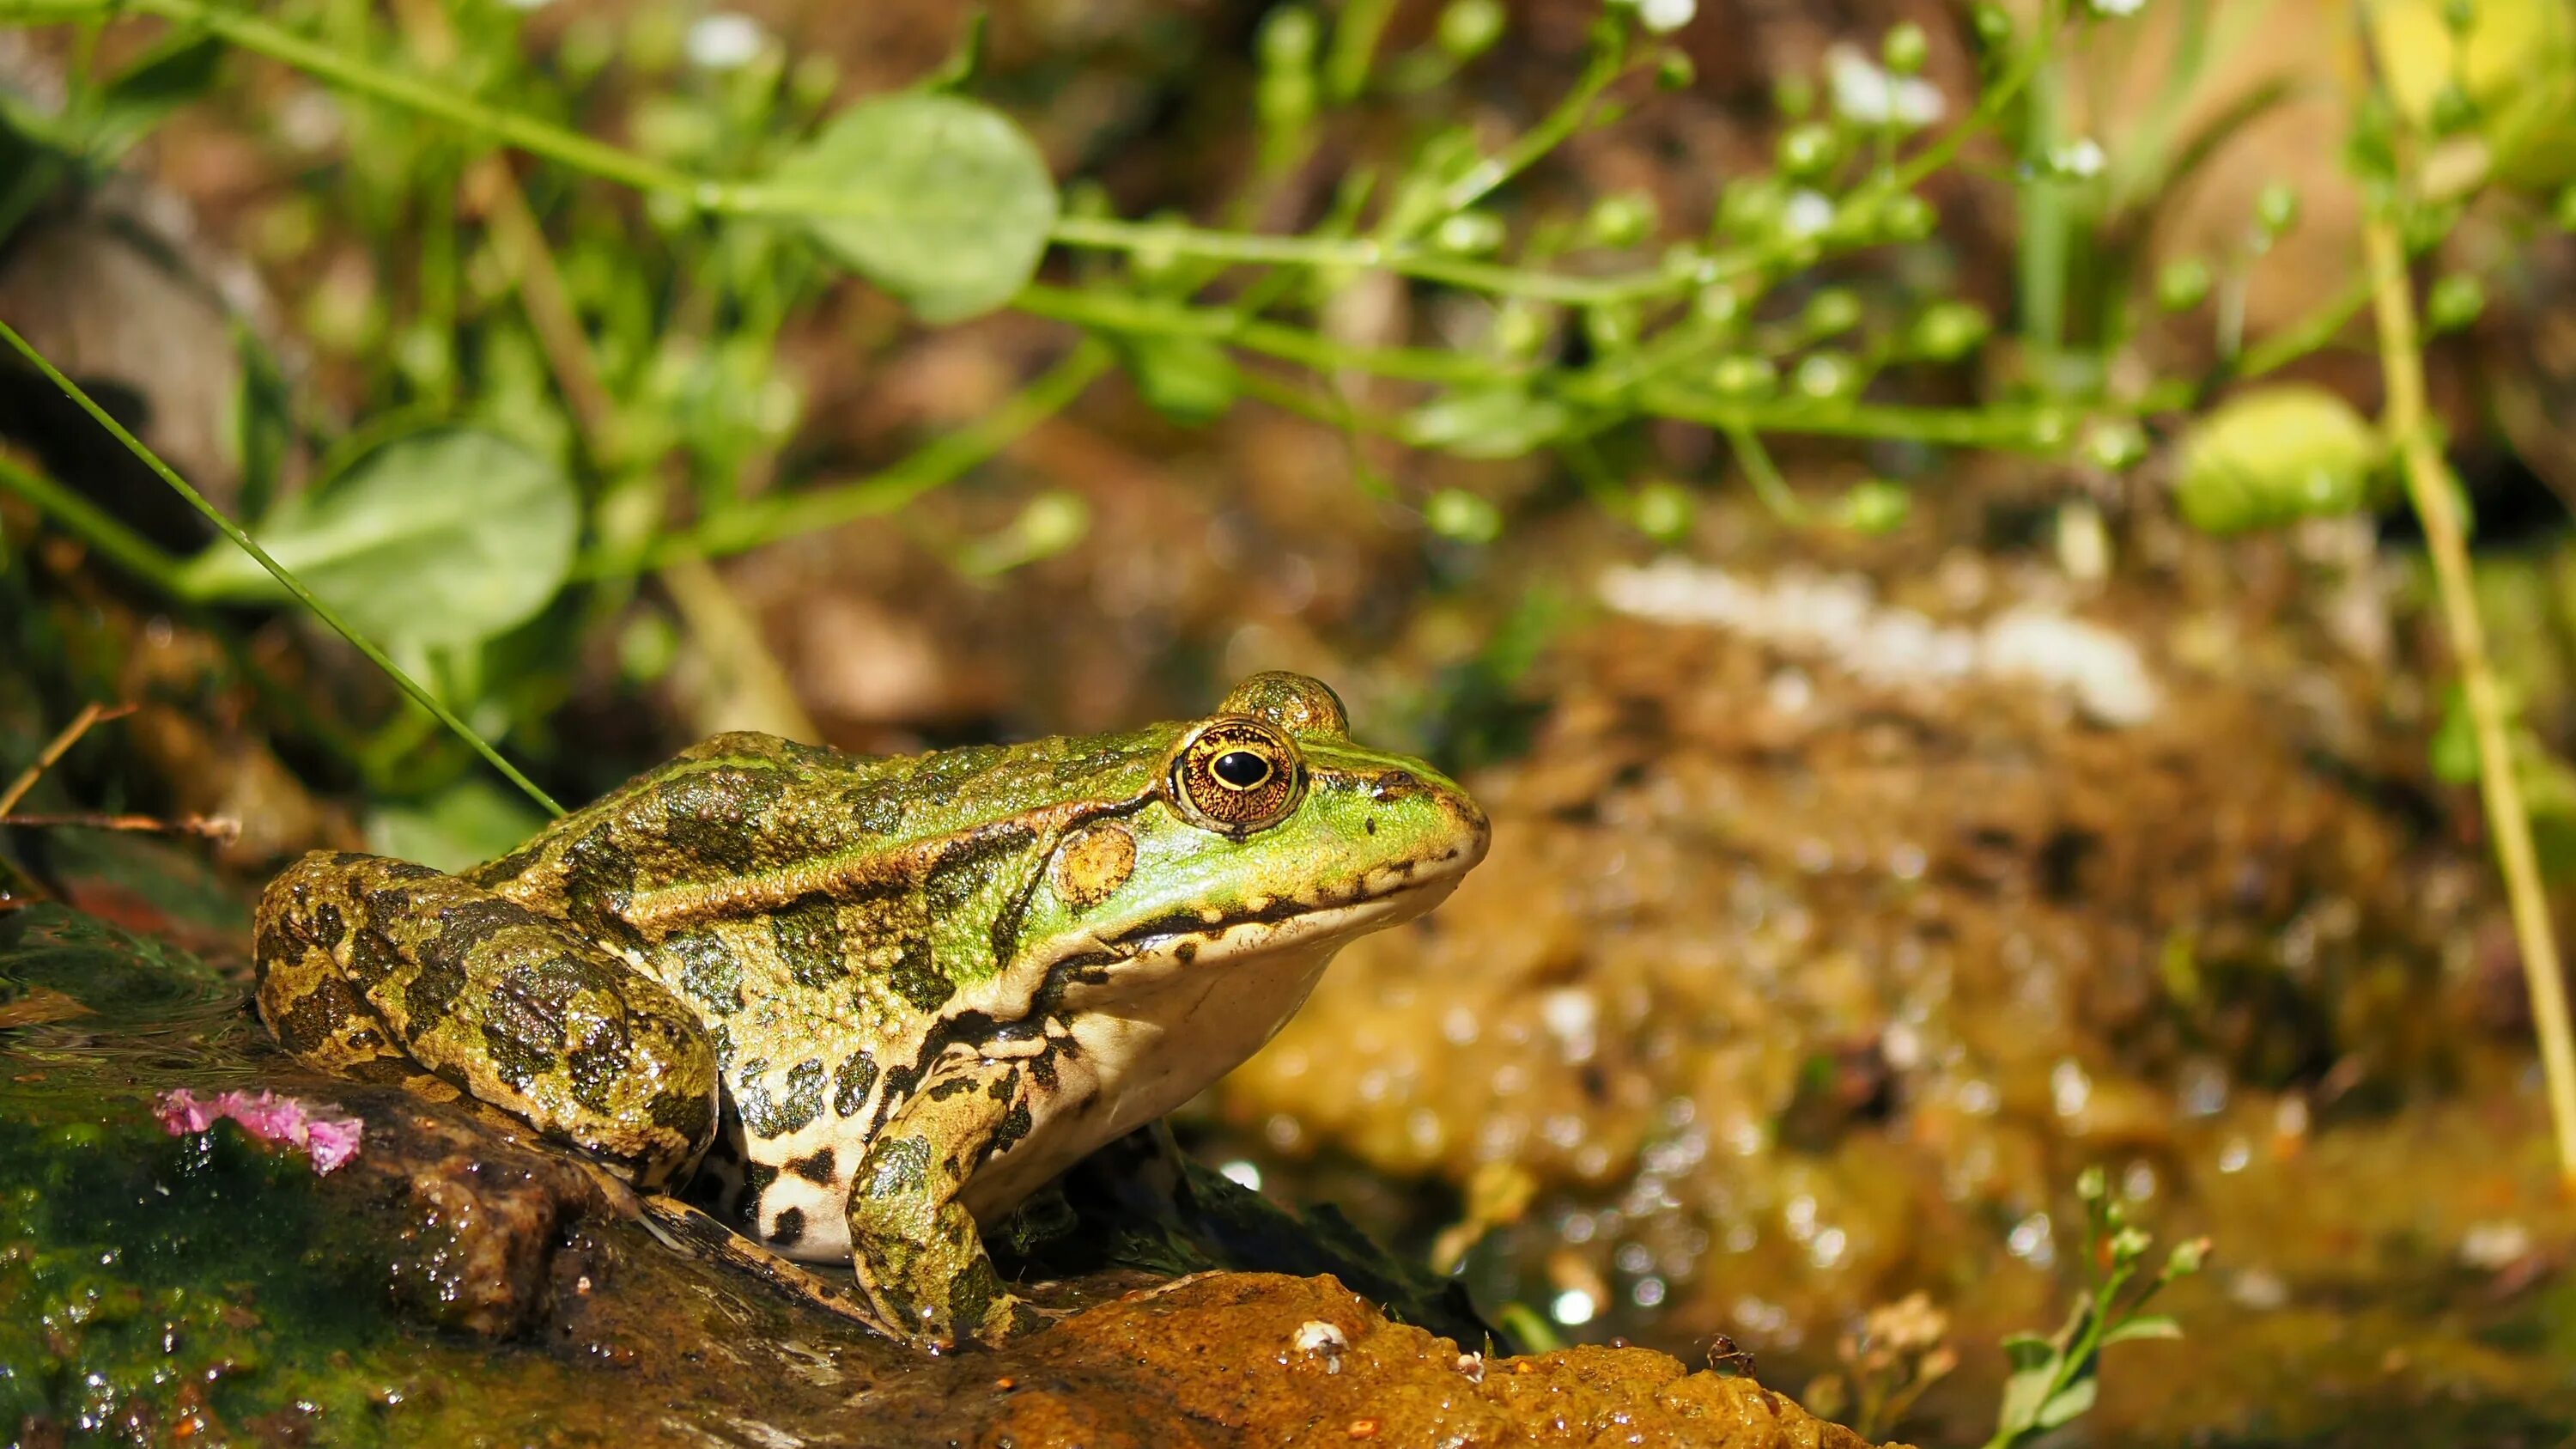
x: 1241, y: 768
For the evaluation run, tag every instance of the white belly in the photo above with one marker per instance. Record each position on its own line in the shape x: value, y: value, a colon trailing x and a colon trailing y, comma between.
x: 1136, y: 1063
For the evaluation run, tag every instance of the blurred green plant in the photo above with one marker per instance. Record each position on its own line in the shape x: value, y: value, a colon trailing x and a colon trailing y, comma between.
x: 623, y: 353
x: 2056, y: 1380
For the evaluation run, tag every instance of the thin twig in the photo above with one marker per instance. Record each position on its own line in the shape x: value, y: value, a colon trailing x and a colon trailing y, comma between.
x: 2428, y: 487
x: 221, y: 829
x: 90, y: 716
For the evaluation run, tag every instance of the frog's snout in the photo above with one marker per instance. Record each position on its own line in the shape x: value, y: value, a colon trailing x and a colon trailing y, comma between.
x: 1474, y: 832
x: 1460, y: 834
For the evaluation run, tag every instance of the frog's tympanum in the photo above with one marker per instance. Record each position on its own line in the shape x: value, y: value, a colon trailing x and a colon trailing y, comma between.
x: 859, y: 1006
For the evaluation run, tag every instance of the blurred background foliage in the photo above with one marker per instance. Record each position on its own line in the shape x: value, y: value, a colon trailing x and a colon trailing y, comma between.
x: 554, y: 304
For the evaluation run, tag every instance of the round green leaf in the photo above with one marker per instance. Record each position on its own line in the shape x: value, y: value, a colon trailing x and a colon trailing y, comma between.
x: 939, y: 200
x: 2272, y: 455
x: 436, y: 539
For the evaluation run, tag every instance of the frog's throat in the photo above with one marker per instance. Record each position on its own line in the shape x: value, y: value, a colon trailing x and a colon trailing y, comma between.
x: 1176, y: 1012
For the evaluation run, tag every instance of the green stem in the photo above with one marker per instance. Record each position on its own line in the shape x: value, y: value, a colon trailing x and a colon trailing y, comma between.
x: 1367, y: 254
x: 121, y: 545
x: 1606, y: 65
x: 767, y: 519
x: 1126, y: 313
x: 2428, y: 487
x: 2036, y: 431
x: 277, y: 571
x: 1764, y: 474
x: 1993, y: 103
x: 2041, y: 261
x: 528, y: 134
x: 1356, y: 32
x: 2306, y: 335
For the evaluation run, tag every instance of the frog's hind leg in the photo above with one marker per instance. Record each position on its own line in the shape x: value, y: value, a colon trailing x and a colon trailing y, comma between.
x: 367, y: 963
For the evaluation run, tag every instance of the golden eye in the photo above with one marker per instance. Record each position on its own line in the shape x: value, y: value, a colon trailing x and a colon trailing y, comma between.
x: 1237, y: 776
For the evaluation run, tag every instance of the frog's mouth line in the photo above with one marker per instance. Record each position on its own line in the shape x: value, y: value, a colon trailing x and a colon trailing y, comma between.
x: 1288, y: 923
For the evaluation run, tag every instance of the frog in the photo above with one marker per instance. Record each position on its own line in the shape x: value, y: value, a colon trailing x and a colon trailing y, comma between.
x: 857, y: 1009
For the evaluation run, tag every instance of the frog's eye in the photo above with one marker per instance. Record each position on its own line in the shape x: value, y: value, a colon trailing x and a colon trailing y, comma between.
x: 1237, y: 776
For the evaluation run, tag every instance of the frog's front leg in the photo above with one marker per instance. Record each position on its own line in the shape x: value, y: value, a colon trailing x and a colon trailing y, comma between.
x: 364, y: 960
x: 915, y: 1247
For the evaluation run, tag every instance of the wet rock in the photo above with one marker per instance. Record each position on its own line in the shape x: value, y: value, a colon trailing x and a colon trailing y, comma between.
x: 1241, y: 1359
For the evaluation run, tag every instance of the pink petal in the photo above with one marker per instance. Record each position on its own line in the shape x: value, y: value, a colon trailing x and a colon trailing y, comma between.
x: 331, y: 1143
x: 268, y: 1117
x: 181, y: 1113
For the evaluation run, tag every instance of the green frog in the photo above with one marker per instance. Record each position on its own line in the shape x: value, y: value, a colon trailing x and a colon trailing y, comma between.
x: 860, y: 1008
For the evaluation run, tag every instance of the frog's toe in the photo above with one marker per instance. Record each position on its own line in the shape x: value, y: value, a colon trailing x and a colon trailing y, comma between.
x: 1012, y: 1316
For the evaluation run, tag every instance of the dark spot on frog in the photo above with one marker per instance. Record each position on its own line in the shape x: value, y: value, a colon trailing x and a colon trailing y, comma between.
x: 877, y: 803
x: 372, y: 957
x: 599, y: 1065
x: 1370, y: 825
x: 967, y: 868
x: 440, y: 962
x: 315, y: 1015
x: 1186, y: 952
x: 915, y: 975
x: 274, y: 943
x: 817, y: 1168
x: 797, y: 1103
x: 598, y: 881
x: 689, y: 1114
x: 810, y: 940
x: 851, y: 1085
x: 385, y: 903
x: 971, y: 1296
x: 434, y: 990
x: 519, y: 1043
x: 1015, y: 1124
x: 706, y: 970
x: 714, y: 817
x: 327, y: 923
x: 756, y: 1178
x: 788, y: 1228
x: 942, y: 1091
